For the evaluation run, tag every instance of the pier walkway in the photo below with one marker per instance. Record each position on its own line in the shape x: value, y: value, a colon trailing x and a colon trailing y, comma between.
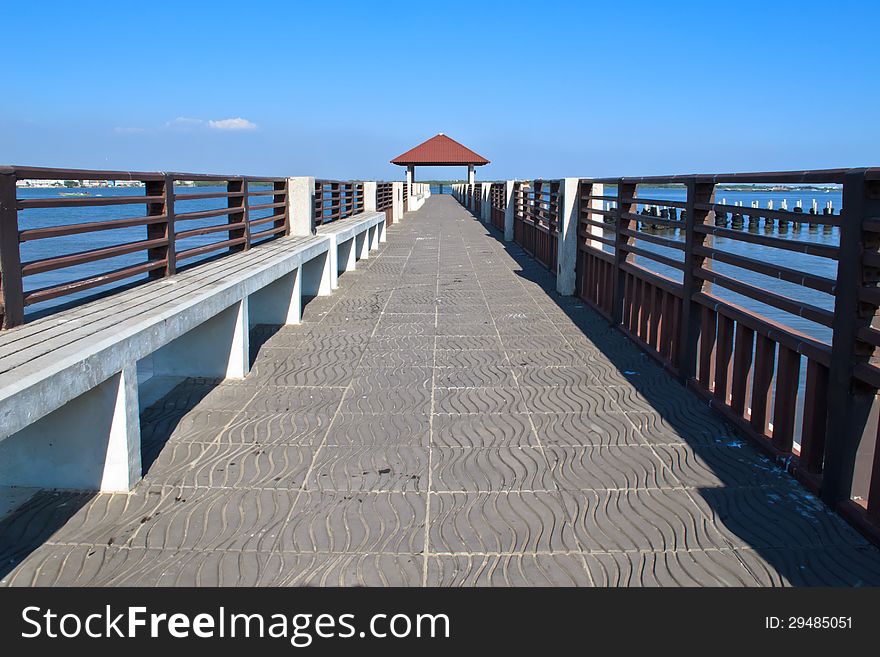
x: 444, y: 418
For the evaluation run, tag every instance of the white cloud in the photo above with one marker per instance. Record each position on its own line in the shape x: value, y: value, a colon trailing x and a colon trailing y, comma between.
x: 232, y: 124
x: 127, y: 131
x: 184, y: 122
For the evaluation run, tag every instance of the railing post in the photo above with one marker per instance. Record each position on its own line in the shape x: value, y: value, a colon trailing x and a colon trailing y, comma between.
x: 370, y: 190
x: 624, y: 190
x: 301, y: 205
x: 397, y: 201
x: 567, y: 239
x: 164, y: 230
x: 10, y: 256
x: 509, y: 207
x: 239, y: 218
x: 486, y: 203
x: 689, y: 326
x: 850, y: 400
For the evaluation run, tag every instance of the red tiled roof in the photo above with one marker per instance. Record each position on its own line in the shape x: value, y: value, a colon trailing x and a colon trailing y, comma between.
x: 440, y: 151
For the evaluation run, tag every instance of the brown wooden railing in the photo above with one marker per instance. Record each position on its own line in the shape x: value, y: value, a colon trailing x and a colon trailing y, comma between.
x: 385, y: 201
x: 536, y: 219
x: 174, y: 235
x: 335, y: 199
x: 497, y: 196
x: 478, y: 199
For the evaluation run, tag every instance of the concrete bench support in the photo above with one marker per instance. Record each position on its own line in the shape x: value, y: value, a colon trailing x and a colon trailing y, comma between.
x: 362, y: 245
x: 317, y: 275
x: 216, y: 348
x: 279, y: 303
x: 347, y: 256
x: 92, y: 442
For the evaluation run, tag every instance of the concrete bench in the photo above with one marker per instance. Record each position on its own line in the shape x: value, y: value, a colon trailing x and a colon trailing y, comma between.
x: 352, y: 239
x: 69, y: 389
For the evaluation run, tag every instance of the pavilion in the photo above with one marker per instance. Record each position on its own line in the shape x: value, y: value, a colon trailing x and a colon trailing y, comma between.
x: 439, y: 151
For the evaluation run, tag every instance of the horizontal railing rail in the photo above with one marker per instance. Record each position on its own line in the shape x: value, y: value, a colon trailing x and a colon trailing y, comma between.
x: 184, y: 219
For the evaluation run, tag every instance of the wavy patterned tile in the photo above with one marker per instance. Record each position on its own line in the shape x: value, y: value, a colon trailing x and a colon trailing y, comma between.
x: 590, y: 400
x: 203, y: 394
x: 660, y: 430
x: 460, y: 401
x: 309, y: 357
x: 468, y: 343
x: 486, y: 328
x: 837, y: 566
x: 482, y: 430
x: 729, y: 463
x: 545, y: 377
x: 545, y: 357
x: 382, y: 342
x: 607, y: 467
x: 246, y: 466
x: 633, y: 520
x: 198, y: 425
x: 217, y: 519
x: 374, y: 570
x: 499, y: 522
x: 396, y: 329
x: 508, y: 570
x: 105, y: 519
x: 355, y: 522
x: 386, y: 401
x: 774, y: 518
x: 376, y: 358
x: 489, y: 469
x: 369, y: 380
x: 291, y: 373
x: 314, y: 401
x: 103, y: 566
x: 379, y: 430
x: 526, y: 335
x: 669, y: 400
x: 469, y: 359
x: 260, y: 428
x: 364, y: 468
x: 673, y: 568
x: 482, y: 376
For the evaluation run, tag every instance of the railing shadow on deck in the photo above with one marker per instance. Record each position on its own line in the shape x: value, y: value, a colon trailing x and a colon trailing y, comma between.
x: 34, y: 522
x: 787, y: 528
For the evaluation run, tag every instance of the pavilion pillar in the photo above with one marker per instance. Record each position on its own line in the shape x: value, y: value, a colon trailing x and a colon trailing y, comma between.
x: 471, y: 174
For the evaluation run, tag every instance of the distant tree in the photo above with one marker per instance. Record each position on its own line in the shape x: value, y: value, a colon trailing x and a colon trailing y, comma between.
x: 71, y: 183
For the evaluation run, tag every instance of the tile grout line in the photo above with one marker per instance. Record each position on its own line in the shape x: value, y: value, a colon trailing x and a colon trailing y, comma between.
x: 426, y: 550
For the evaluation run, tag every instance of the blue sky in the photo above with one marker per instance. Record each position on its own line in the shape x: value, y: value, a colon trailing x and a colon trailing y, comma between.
x: 336, y: 89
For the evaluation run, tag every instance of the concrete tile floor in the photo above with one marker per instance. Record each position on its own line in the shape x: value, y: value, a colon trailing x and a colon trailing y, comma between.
x: 443, y: 419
